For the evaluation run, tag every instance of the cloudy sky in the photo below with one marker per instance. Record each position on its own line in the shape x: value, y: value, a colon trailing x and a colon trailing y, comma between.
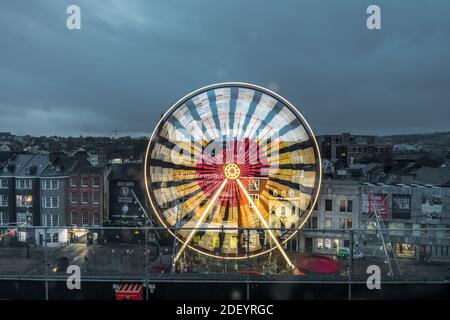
x: 132, y: 59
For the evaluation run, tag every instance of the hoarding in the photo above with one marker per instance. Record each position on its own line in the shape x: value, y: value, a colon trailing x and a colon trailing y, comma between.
x: 123, y: 206
x: 431, y: 207
x: 401, y: 206
x: 377, y: 201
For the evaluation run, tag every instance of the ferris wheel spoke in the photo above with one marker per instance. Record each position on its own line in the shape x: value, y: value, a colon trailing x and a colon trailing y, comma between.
x: 200, y: 220
x: 266, y: 225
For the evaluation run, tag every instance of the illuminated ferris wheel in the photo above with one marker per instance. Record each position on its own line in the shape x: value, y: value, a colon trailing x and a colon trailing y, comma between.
x: 233, y: 171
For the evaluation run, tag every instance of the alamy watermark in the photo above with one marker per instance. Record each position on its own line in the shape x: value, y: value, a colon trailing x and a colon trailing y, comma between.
x: 73, y: 21
x: 74, y: 280
x: 374, y: 279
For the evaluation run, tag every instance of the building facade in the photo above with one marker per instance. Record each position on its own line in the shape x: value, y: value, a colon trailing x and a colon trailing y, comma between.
x: 124, y: 180
x: 335, y: 214
x: 423, y: 210
x: 353, y: 148
x: 85, y: 195
x: 54, y: 200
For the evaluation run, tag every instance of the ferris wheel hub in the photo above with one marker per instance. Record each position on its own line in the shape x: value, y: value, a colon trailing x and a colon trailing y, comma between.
x: 232, y: 171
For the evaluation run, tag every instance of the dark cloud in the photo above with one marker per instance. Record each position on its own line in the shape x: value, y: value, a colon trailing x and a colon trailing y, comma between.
x: 133, y: 59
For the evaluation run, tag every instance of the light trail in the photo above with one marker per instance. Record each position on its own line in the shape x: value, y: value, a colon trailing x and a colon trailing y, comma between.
x: 200, y: 220
x: 261, y: 218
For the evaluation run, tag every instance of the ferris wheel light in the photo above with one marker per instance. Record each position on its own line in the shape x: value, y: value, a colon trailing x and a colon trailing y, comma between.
x: 200, y: 220
x: 264, y: 222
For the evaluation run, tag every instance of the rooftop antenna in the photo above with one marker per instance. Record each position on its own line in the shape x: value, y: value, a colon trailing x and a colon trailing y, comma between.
x: 116, y: 131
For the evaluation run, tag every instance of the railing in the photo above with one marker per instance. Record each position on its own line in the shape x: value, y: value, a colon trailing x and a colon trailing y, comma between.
x: 137, y: 254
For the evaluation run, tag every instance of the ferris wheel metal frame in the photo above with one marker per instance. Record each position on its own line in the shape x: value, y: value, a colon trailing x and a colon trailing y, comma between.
x: 186, y: 241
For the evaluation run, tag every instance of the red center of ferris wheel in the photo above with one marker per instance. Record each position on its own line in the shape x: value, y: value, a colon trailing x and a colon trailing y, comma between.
x: 232, y: 171
x: 241, y: 160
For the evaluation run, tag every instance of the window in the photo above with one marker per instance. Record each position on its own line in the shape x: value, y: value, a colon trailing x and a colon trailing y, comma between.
x: 319, y: 243
x: 314, y: 223
x: 4, y: 200
x: 84, y: 197
x: 349, y: 206
x: 74, y: 218
x: 335, y: 243
x: 293, y: 210
x: 73, y: 197
x: 84, y: 182
x: 254, y: 185
x: 96, y: 219
x: 50, y: 220
x: 328, y: 205
x: 55, y: 237
x: 346, y: 206
x: 4, y: 218
x: 85, y: 219
x: 96, y: 182
x: 96, y: 198
x: 328, y: 243
x: 283, y: 211
x: 255, y: 198
x: 55, y: 220
x: 55, y: 202
x: 46, y: 202
x: 328, y: 223
x: 23, y: 184
x: 55, y: 184
x: 50, y: 202
x: 45, y: 184
x: 346, y: 223
x: 24, y: 201
x: 73, y: 181
x: 3, y: 183
x: 50, y: 184
x: 342, y: 206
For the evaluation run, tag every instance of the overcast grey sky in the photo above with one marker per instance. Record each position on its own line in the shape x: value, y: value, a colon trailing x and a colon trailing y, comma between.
x: 133, y: 59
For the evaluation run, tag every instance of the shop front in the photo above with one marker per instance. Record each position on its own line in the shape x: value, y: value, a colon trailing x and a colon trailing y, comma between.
x: 406, y: 250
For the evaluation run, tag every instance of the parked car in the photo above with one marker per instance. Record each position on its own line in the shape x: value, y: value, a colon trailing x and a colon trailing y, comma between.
x: 344, y: 253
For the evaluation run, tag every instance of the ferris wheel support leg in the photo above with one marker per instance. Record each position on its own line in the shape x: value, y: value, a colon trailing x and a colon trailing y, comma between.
x: 264, y: 222
x: 200, y: 220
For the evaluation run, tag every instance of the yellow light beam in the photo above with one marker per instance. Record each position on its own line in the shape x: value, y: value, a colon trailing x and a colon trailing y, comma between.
x: 261, y: 217
x: 200, y: 220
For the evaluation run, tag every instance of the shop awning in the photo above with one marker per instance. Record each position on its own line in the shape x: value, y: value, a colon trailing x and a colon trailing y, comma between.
x: 130, y: 291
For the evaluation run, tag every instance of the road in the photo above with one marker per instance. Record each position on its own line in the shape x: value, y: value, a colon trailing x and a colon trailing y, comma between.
x: 129, y: 260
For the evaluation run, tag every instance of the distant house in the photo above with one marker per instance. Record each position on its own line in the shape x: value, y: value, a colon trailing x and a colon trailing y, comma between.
x: 86, y: 193
x: 20, y: 191
x: 54, y: 198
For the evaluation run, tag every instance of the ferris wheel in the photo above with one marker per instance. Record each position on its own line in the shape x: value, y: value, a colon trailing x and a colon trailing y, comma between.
x: 233, y: 171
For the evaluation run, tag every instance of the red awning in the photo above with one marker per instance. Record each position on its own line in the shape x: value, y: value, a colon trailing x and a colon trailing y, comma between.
x: 130, y: 291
